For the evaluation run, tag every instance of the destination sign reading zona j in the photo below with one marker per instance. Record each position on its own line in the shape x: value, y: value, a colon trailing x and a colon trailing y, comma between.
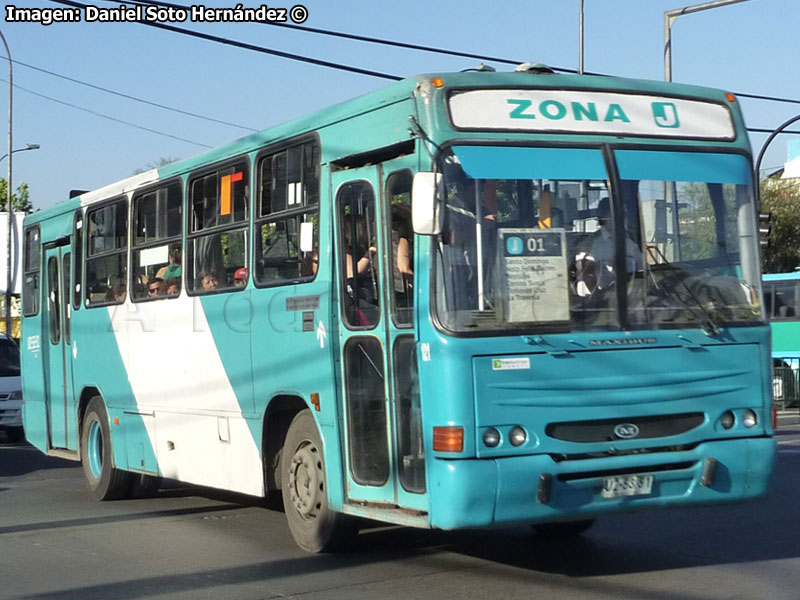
x: 590, y: 112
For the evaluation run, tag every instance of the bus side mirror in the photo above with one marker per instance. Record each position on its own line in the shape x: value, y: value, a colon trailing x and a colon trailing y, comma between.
x: 426, y: 203
x: 764, y: 228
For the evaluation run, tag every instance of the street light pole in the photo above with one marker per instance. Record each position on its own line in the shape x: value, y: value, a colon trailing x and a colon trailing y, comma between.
x: 25, y: 149
x: 9, y: 278
x: 669, y: 18
x: 580, y: 44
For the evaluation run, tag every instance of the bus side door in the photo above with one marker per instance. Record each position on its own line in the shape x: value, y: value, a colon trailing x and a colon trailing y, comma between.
x: 375, y: 352
x: 56, y: 341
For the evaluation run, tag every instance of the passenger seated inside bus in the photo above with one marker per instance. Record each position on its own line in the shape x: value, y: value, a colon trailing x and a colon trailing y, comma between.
x: 208, y: 281
x: 173, y: 285
x: 310, y: 264
x: 173, y: 268
x: 156, y: 287
x: 240, y: 277
x: 115, y: 292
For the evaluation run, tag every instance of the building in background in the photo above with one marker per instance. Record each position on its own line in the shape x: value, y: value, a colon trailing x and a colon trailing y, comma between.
x: 16, y: 271
x: 791, y: 170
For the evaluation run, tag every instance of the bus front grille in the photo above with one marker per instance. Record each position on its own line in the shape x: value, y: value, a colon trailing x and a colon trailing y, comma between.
x: 607, y: 429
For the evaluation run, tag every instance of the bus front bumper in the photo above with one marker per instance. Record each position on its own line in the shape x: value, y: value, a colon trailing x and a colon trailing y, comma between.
x: 530, y: 489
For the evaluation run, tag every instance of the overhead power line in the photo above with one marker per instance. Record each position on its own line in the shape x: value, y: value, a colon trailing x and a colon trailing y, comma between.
x: 762, y: 130
x: 406, y: 45
x: 246, y: 46
x: 129, y: 97
x: 352, y: 36
x: 350, y: 68
x: 109, y: 117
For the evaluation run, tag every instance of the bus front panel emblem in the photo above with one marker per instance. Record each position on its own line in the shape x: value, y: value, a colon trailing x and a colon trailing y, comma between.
x: 626, y: 431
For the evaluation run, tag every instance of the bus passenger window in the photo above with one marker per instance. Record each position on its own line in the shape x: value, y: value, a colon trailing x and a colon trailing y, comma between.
x: 217, y: 236
x: 107, y: 254
x: 31, y: 267
x: 358, y: 241
x: 157, y: 252
x: 785, y: 299
x: 398, y: 193
x: 287, y: 224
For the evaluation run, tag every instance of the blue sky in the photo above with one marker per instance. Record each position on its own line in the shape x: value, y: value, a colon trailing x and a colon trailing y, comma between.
x: 747, y: 47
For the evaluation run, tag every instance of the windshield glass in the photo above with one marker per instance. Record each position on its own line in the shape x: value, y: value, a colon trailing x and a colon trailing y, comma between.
x: 694, y: 211
x: 534, y: 239
x: 9, y: 358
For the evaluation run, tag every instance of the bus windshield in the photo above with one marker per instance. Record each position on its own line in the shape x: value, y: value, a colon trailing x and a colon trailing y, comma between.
x: 539, y: 239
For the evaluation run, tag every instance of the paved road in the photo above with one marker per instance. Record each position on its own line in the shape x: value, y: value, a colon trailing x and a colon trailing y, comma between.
x: 56, y: 542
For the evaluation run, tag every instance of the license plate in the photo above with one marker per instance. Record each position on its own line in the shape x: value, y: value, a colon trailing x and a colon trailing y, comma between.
x: 627, y: 485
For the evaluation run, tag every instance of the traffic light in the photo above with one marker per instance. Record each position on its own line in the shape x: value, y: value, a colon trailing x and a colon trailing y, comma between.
x: 764, y: 228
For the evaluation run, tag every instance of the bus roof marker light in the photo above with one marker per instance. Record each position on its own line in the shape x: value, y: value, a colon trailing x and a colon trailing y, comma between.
x: 481, y: 68
x: 536, y: 68
x: 437, y: 82
x: 730, y: 97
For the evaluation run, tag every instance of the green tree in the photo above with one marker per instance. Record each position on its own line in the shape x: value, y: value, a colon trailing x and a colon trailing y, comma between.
x: 20, y: 200
x: 161, y: 162
x: 781, y: 198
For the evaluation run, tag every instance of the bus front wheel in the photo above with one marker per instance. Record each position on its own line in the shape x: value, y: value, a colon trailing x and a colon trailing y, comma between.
x: 314, y: 526
x: 105, y: 481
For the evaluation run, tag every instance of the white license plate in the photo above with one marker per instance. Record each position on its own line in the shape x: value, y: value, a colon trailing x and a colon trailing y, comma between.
x: 627, y: 485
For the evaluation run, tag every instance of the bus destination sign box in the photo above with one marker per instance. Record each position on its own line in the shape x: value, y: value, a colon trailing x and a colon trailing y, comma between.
x: 534, y: 271
x: 578, y: 111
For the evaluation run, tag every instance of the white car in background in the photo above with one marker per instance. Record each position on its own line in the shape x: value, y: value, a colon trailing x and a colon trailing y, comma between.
x: 10, y: 390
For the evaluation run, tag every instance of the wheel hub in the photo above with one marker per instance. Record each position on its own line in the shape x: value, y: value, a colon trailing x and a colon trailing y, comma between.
x: 305, y: 481
x: 95, y: 449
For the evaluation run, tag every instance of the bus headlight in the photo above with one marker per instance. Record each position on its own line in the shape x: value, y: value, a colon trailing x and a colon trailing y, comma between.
x: 491, y: 437
x: 727, y: 419
x: 517, y: 436
x: 749, y: 418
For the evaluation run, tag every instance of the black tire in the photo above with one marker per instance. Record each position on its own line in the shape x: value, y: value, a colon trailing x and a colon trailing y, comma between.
x: 105, y: 481
x: 314, y: 527
x: 143, y: 486
x: 564, y: 530
x: 15, y: 434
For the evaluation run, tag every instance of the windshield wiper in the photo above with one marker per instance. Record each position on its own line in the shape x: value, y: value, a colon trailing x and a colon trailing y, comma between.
x: 707, y: 324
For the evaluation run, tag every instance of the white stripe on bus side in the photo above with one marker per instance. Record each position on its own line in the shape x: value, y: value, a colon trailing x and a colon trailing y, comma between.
x: 175, y: 370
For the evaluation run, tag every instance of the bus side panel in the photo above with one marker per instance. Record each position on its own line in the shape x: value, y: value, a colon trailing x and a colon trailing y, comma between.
x: 293, y: 355
x: 188, y: 373
x: 98, y: 363
x: 369, y: 131
x: 34, y: 408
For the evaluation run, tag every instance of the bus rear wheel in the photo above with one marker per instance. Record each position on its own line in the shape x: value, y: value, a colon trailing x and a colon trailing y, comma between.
x: 105, y: 481
x: 314, y: 526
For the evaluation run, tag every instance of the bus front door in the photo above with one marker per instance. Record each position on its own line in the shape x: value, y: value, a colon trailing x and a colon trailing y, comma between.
x: 56, y: 338
x: 376, y: 354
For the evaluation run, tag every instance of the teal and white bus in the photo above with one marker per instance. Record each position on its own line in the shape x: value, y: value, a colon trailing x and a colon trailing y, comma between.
x: 782, y: 307
x: 464, y: 300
